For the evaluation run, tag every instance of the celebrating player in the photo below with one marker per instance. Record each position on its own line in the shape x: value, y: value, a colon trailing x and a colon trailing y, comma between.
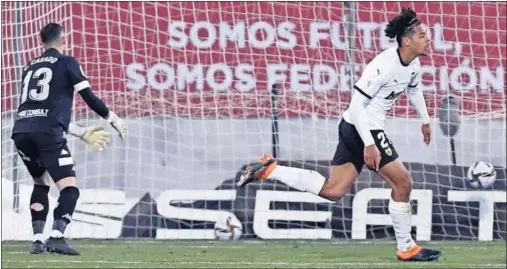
x: 362, y: 139
x: 44, y: 112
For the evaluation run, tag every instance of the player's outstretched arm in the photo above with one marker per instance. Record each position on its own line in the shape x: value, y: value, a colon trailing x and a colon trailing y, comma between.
x: 95, y: 136
x: 101, y: 109
x: 82, y: 85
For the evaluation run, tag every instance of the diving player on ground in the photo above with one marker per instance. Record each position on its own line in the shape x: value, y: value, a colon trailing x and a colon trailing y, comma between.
x: 362, y: 139
x: 48, y: 85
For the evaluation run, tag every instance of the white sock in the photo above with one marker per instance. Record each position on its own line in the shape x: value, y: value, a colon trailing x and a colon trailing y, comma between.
x: 401, y: 215
x: 39, y: 237
x: 301, y: 179
x: 56, y: 233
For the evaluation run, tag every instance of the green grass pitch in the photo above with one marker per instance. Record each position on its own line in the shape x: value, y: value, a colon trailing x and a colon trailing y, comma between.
x: 251, y: 254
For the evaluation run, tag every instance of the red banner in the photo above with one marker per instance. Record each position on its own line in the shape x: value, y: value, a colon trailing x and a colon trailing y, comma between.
x: 217, y: 59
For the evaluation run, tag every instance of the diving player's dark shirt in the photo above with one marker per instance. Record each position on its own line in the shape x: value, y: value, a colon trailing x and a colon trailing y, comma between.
x: 48, y: 85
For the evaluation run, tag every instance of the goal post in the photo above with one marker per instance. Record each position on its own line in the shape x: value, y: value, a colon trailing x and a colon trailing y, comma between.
x: 193, y: 81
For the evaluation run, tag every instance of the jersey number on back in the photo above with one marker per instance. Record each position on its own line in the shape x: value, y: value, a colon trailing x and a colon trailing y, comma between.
x: 43, y: 76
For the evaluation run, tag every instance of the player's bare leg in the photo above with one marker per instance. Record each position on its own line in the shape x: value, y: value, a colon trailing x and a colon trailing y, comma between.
x: 69, y: 194
x: 342, y: 176
x: 39, y: 208
x: 397, y: 176
x: 339, y: 182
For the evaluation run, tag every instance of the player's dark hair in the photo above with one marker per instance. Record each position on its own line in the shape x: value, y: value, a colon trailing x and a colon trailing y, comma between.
x: 51, y: 32
x: 402, y: 25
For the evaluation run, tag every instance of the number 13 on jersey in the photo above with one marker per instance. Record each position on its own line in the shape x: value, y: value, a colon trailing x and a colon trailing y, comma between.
x: 43, y: 76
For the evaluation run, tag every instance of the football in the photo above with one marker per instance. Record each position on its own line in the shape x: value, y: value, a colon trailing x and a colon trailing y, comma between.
x: 228, y: 228
x: 481, y: 175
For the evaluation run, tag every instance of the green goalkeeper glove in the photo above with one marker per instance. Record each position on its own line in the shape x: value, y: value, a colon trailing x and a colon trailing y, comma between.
x: 95, y: 136
x: 117, y: 123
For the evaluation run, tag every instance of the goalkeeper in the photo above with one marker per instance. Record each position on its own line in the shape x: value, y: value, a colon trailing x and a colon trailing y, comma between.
x: 362, y: 139
x: 48, y: 86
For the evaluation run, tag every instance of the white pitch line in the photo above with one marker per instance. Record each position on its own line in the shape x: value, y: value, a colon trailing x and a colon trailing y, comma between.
x: 17, y: 252
x: 327, y: 264
x: 259, y: 242
x: 225, y: 245
x: 262, y: 242
x: 238, y: 244
x: 168, y: 244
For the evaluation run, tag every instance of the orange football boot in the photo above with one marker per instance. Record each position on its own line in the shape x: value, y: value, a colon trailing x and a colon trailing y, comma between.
x: 418, y: 254
x: 258, y: 171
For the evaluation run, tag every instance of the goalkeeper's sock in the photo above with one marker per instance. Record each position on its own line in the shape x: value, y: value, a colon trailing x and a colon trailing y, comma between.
x: 301, y: 179
x: 401, y: 215
x: 39, y: 208
x: 63, y: 212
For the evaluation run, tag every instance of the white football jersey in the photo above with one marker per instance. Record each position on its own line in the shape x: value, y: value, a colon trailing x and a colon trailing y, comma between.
x: 382, y: 81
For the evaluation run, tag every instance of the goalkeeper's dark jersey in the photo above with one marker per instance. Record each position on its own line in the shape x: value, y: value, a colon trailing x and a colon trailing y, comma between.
x: 47, y: 92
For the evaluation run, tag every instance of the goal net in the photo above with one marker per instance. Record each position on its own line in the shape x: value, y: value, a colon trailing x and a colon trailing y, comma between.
x: 206, y: 88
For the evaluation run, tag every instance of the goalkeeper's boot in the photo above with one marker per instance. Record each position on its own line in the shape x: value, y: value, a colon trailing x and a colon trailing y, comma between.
x: 258, y: 171
x: 58, y: 245
x: 38, y: 247
x: 419, y: 254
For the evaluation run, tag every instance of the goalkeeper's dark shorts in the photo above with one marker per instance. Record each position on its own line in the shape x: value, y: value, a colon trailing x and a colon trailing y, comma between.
x: 43, y: 152
x: 350, y: 147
